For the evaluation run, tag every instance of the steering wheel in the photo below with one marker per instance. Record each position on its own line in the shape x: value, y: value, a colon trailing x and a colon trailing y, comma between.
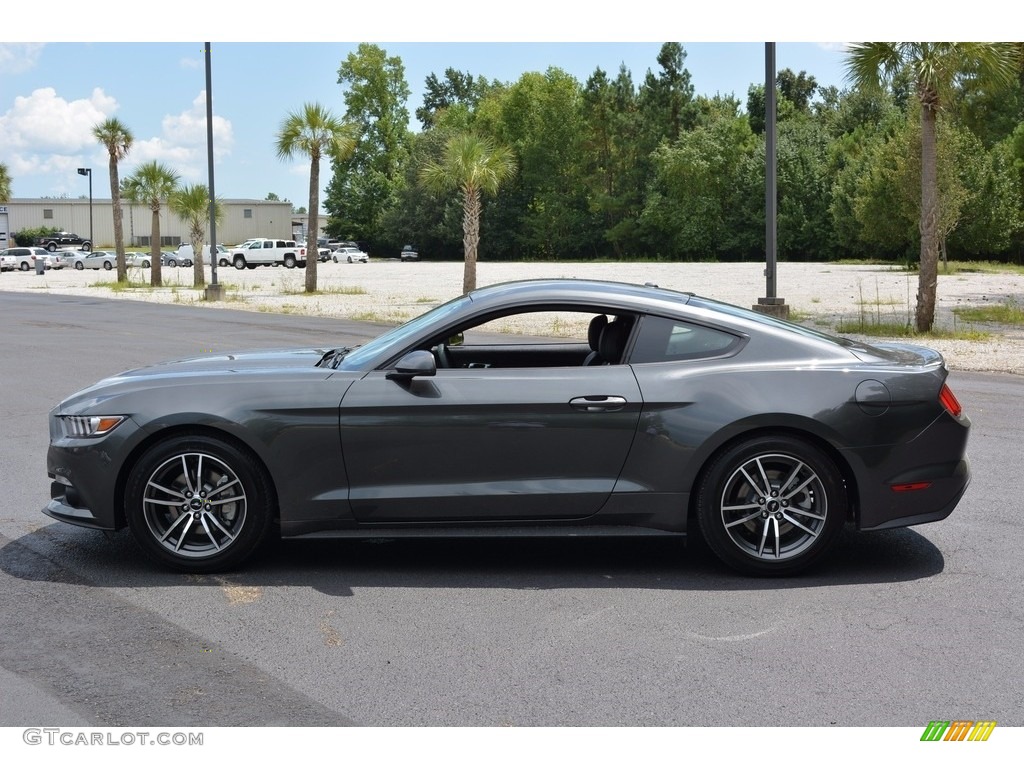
x: 444, y: 360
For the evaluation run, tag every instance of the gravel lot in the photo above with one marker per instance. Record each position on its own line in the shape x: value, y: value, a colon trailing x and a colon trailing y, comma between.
x: 388, y: 291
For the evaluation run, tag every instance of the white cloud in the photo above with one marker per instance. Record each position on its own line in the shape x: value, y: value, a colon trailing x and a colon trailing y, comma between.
x: 19, y: 57
x: 182, y: 143
x: 45, y: 122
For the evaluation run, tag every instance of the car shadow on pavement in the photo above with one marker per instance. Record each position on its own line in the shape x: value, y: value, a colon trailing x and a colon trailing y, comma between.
x: 337, y: 567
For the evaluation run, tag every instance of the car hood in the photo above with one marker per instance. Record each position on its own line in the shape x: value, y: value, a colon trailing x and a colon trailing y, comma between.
x: 250, y: 360
x: 285, y: 366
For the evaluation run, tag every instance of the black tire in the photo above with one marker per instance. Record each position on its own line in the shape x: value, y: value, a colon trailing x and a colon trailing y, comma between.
x: 107, y: 265
x: 24, y: 267
x: 86, y: 246
x: 51, y: 247
x: 771, y: 506
x: 239, y: 262
x: 289, y: 261
x: 172, y: 263
x: 145, y: 265
x: 223, y: 263
x: 179, y: 517
x: 79, y: 265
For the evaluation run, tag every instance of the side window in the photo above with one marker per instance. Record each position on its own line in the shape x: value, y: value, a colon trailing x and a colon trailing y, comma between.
x: 282, y: 244
x: 661, y: 339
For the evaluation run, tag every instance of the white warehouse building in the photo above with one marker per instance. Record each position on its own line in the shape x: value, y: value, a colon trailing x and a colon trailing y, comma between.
x: 242, y: 219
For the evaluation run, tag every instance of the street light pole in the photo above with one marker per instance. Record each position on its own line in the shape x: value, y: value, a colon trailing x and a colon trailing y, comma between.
x: 214, y: 291
x: 88, y: 172
x: 771, y: 304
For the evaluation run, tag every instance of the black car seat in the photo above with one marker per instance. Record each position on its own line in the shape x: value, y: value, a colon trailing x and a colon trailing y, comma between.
x: 597, y: 325
x: 612, y: 344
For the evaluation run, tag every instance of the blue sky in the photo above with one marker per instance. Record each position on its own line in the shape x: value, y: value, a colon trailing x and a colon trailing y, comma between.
x: 52, y: 93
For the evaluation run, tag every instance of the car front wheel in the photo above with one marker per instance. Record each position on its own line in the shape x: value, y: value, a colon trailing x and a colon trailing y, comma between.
x: 107, y: 265
x: 79, y: 265
x: 199, y: 504
x: 771, y: 506
x: 239, y: 262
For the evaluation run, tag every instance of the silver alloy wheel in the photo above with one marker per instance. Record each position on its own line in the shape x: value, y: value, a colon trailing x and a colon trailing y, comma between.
x: 774, y: 506
x: 194, y: 505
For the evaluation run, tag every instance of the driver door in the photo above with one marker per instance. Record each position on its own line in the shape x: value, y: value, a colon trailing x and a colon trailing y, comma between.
x: 488, y: 444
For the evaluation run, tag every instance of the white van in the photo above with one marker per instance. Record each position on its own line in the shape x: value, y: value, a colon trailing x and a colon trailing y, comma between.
x: 185, y: 251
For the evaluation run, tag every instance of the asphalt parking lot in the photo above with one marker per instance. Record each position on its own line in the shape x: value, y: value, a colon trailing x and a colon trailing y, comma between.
x: 900, y: 628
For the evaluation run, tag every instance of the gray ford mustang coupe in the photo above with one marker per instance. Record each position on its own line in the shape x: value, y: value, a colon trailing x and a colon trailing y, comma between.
x: 637, y: 410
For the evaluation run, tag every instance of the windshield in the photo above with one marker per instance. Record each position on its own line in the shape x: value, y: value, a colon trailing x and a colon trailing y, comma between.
x: 366, y: 354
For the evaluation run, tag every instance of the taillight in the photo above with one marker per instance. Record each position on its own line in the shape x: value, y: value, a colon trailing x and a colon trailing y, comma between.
x: 949, y: 401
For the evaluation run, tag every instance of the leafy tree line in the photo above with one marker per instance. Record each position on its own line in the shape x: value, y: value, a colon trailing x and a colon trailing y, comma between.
x: 618, y: 169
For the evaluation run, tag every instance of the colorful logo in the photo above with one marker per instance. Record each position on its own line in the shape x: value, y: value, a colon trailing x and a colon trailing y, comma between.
x: 958, y: 730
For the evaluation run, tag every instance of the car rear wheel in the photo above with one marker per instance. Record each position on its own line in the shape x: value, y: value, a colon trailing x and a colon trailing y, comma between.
x: 199, y: 504
x: 289, y: 261
x: 24, y: 266
x: 51, y: 247
x: 771, y: 506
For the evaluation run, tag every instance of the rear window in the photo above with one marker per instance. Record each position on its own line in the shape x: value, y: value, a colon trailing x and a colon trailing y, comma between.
x: 661, y: 339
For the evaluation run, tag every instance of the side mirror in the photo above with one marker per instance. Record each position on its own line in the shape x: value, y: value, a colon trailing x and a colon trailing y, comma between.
x: 419, y: 362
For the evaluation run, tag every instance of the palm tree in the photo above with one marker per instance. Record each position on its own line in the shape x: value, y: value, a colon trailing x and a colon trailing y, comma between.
x: 5, y: 183
x: 151, y: 184
x: 192, y: 205
x: 313, y: 132
x: 935, y: 69
x: 115, y: 136
x: 473, y: 165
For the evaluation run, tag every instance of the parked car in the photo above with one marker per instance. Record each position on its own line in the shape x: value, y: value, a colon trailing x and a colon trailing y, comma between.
x: 268, y: 252
x: 94, y: 260
x: 24, y: 259
x: 57, y: 240
x: 671, y: 414
x: 408, y: 254
x: 8, y: 261
x: 186, y: 253
x: 137, y: 259
x: 171, y: 259
x: 351, y: 255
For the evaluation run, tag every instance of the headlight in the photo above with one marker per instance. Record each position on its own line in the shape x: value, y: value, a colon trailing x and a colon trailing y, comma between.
x: 88, y: 426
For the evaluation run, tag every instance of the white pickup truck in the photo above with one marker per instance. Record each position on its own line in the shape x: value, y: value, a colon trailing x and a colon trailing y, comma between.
x: 268, y: 252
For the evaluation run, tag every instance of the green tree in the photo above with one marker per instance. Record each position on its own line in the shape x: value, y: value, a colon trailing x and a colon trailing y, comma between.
x: 692, y: 197
x: 151, y: 184
x: 313, y: 132
x: 456, y: 88
x: 5, y: 183
x: 364, y: 184
x: 473, y: 165
x: 115, y: 136
x: 936, y: 69
x: 191, y: 204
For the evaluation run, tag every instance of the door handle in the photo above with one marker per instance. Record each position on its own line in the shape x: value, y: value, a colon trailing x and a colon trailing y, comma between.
x: 598, y: 403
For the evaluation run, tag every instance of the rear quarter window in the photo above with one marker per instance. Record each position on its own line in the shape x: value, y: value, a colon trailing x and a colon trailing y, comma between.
x: 661, y: 339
